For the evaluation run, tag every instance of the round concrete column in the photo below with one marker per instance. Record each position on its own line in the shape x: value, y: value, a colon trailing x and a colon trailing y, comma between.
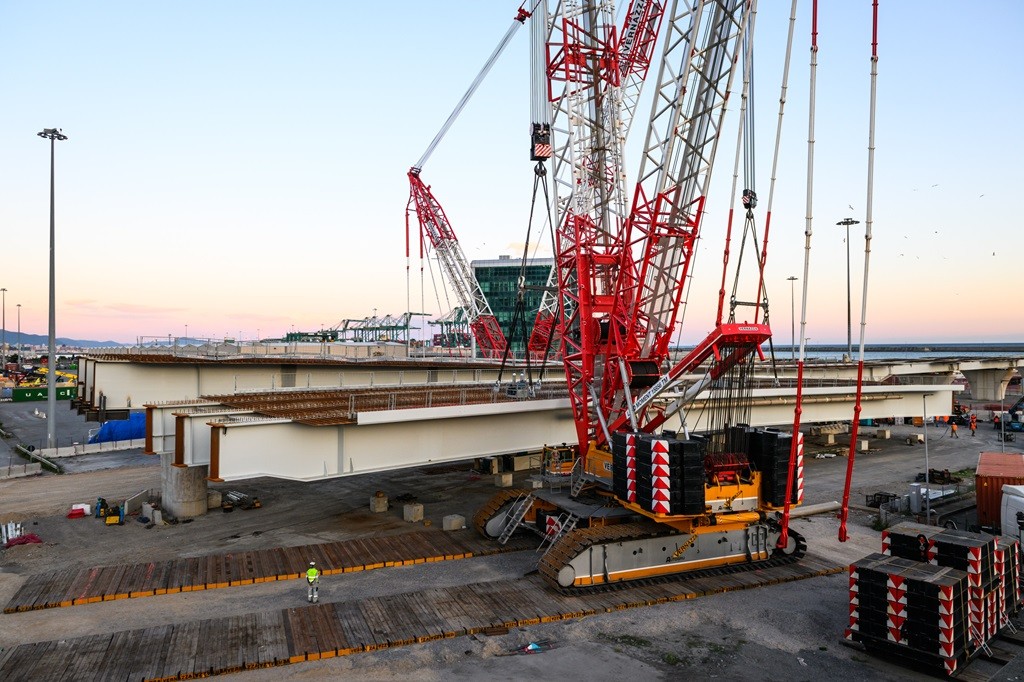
x: 183, y: 488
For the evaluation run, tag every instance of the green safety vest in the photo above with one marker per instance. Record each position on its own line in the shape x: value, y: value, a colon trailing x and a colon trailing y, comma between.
x: 312, y: 574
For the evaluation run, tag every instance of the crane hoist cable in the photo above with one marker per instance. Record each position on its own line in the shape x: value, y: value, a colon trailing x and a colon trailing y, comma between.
x: 517, y: 21
x: 540, y: 179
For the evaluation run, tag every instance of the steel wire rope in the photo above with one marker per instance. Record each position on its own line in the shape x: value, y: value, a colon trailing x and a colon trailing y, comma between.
x: 437, y: 292
x: 519, y: 312
x: 502, y: 44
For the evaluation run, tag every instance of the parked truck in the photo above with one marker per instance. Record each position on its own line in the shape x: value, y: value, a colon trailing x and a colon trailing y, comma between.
x: 1011, y: 512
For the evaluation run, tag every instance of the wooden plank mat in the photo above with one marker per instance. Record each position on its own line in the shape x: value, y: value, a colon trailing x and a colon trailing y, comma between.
x: 272, y: 644
x: 354, y: 626
x: 267, y: 638
x: 104, y: 583
x: 179, y: 660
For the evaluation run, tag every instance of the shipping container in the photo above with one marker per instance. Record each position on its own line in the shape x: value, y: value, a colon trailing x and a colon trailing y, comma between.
x: 995, y: 469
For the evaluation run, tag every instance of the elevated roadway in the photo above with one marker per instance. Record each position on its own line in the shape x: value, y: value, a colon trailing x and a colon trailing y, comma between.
x: 308, y: 419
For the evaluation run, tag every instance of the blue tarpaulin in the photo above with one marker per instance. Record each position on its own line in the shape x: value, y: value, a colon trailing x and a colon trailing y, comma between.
x: 121, y: 429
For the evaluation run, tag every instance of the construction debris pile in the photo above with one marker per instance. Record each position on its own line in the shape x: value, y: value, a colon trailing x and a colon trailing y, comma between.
x: 934, y: 597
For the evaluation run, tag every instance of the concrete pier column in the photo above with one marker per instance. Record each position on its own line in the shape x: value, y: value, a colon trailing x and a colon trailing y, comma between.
x: 183, y: 487
x: 988, y: 384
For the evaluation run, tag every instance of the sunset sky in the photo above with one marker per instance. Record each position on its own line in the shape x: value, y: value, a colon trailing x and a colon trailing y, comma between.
x: 240, y: 167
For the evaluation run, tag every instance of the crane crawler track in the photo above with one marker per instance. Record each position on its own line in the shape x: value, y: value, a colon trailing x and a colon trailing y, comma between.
x: 499, y: 499
x: 574, y: 543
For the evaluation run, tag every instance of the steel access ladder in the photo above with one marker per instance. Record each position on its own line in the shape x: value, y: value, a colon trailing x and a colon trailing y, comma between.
x: 576, y: 478
x: 515, y: 514
x: 566, y: 522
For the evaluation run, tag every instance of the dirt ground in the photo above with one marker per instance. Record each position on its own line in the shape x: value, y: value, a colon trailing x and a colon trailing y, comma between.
x: 793, y: 630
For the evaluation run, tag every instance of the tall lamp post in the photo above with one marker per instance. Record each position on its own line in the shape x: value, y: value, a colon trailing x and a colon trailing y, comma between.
x: 52, y: 134
x: 3, y: 321
x: 21, y: 360
x: 792, y: 318
x: 846, y: 222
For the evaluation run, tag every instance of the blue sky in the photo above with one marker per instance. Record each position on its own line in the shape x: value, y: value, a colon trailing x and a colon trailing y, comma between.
x: 240, y: 166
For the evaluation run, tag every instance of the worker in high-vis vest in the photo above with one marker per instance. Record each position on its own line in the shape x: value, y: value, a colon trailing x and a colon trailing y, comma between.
x: 313, y: 580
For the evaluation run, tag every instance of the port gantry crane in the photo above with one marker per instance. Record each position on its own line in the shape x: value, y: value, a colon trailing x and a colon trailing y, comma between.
x: 643, y: 505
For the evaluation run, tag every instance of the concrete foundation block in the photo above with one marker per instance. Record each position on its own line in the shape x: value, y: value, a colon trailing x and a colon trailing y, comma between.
x: 213, y: 499
x: 827, y: 439
x: 862, y: 445
x: 157, y: 517
x: 413, y: 512
x: 453, y: 522
x: 883, y: 434
x: 503, y: 480
x: 535, y: 484
x: 379, y: 503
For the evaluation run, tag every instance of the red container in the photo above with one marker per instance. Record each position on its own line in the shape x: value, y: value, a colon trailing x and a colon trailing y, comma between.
x: 995, y: 469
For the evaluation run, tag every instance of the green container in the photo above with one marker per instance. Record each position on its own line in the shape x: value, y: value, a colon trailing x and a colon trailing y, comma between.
x: 25, y: 395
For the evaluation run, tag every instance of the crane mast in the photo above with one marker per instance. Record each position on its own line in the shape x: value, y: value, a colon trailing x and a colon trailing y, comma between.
x: 622, y: 276
x: 682, y: 502
x: 697, y: 70
x: 632, y: 53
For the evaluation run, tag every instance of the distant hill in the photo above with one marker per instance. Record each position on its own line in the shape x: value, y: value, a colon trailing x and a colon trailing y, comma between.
x: 43, y: 339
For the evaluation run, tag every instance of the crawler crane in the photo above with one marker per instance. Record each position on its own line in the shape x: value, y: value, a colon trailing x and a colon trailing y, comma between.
x: 643, y: 503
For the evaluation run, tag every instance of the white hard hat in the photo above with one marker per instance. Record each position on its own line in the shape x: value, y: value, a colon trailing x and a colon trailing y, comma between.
x: 312, y: 563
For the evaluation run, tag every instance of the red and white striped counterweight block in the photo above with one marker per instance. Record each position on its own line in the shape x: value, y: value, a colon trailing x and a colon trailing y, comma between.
x: 661, y: 480
x: 631, y: 467
x: 854, y: 625
x: 895, y: 607
x: 947, y: 619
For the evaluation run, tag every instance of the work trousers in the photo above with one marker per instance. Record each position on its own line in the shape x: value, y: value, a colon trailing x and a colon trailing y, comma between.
x: 314, y: 588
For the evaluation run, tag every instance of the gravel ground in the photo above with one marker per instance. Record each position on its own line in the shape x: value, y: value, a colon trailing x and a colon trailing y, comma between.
x: 791, y: 631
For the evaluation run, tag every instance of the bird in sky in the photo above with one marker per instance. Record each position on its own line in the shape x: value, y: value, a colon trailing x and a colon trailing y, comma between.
x: 851, y: 207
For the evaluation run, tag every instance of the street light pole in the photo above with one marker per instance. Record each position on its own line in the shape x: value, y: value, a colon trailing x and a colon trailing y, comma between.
x: 792, y: 318
x: 21, y: 360
x: 846, y: 222
x: 52, y: 134
x: 3, y: 317
x: 927, y: 476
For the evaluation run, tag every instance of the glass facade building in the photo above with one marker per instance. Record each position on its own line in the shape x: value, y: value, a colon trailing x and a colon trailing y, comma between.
x: 499, y: 281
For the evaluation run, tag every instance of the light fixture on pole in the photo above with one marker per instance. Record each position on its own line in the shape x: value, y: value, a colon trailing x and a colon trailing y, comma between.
x: 21, y: 359
x: 792, y: 317
x: 52, y: 134
x: 846, y: 222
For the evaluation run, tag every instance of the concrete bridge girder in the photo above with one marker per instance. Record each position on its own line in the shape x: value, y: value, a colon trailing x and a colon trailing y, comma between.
x: 915, y: 371
x: 238, y: 446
